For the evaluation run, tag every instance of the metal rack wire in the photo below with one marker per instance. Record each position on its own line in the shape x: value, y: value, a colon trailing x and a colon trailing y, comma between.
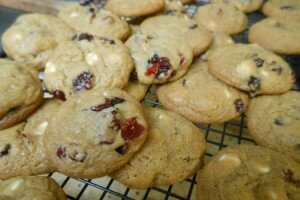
x: 217, y: 137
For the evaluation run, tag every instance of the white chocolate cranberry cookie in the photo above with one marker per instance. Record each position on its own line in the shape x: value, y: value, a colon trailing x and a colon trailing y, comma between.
x: 95, y: 133
x: 33, y: 37
x: 174, y: 151
x: 251, y: 68
x: 249, y: 172
x: 20, y: 92
x: 286, y: 9
x: 31, y: 187
x: 243, y: 5
x: 89, y: 18
x: 87, y: 62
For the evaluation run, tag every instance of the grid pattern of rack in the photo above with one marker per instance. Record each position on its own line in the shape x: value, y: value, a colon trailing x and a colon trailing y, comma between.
x: 216, y: 135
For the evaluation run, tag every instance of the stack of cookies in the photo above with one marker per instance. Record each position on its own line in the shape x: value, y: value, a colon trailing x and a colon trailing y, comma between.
x: 85, y: 120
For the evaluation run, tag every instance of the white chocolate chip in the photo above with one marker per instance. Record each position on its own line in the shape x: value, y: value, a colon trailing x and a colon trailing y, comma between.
x: 246, y: 69
x: 230, y: 157
x: 15, y: 185
x: 74, y: 14
x: 92, y: 59
x: 40, y: 130
x: 50, y: 67
x: 17, y: 36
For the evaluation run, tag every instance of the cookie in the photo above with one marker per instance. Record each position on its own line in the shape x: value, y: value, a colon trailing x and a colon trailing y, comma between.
x: 287, y: 9
x: 187, y: 1
x: 31, y: 187
x: 249, y: 172
x: 274, y: 122
x: 22, y: 150
x: 174, y: 8
x: 32, y: 38
x: 136, y: 89
x: 95, y: 133
x: 219, y: 39
x: 87, y: 62
x: 186, y: 29
x: 159, y: 59
x: 222, y: 18
x: 201, y: 98
x: 174, y: 151
x: 285, y: 32
x: 251, y: 68
x: 133, y: 8
x: 89, y: 18
x: 21, y: 92
x: 243, y: 5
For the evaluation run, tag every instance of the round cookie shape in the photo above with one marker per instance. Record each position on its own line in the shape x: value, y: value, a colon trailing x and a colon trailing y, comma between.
x: 174, y: 151
x: 32, y: 38
x: 243, y: 5
x: 285, y: 32
x: 159, y: 59
x: 87, y: 62
x: 136, y: 89
x: 187, y: 1
x: 249, y: 172
x: 95, y: 133
x: 21, y: 92
x: 95, y: 21
x: 22, y: 148
x: 195, y: 35
x: 222, y: 18
x: 31, y: 187
x: 174, y: 8
x: 202, y: 98
x: 134, y: 8
x: 274, y: 122
x: 287, y: 9
x: 251, y: 68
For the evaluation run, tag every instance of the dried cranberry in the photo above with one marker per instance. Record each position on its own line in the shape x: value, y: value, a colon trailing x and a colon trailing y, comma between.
x: 279, y: 122
x: 254, y: 83
x: 289, y: 177
x: 86, y: 36
x: 61, y: 152
x: 158, y: 66
x: 131, y: 129
x: 5, y: 150
x: 194, y: 26
x: 108, y: 103
x: 182, y: 59
x: 277, y: 70
x: 286, y: 7
x: 59, y: 95
x: 122, y: 149
x: 83, y: 81
x: 106, y: 40
x: 239, y: 105
x: 106, y: 142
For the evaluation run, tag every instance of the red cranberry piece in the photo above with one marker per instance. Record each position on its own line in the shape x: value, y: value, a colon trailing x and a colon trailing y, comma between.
x: 108, y: 103
x: 289, y: 177
x: 254, y: 83
x: 61, y: 152
x: 85, y: 36
x: 182, y: 59
x: 122, y: 149
x: 59, y: 95
x: 131, y: 129
x: 239, y: 105
x: 5, y: 150
x: 83, y: 81
x: 158, y: 66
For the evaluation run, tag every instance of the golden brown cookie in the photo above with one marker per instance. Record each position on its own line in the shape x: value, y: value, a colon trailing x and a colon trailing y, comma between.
x: 32, y: 38
x: 287, y: 9
x: 95, y: 133
x: 274, y: 122
x: 31, y: 187
x: 221, y: 17
x: 202, y: 98
x: 249, y: 172
x: 174, y: 151
x: 251, y: 68
x: 21, y: 92
x: 243, y: 5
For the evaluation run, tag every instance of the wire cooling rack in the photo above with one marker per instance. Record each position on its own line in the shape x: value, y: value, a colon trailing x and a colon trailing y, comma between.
x: 216, y: 135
